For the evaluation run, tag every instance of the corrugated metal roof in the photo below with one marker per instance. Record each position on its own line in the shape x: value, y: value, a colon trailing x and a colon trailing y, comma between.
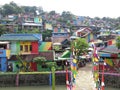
x: 32, y: 24
x: 19, y: 37
x: 110, y: 49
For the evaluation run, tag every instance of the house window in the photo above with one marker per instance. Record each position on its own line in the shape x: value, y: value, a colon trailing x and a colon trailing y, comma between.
x: 26, y: 48
x: 21, y: 47
x: 3, y: 46
x: 30, y: 47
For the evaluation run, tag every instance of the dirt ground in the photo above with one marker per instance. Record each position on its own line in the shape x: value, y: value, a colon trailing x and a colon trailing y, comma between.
x: 84, y: 79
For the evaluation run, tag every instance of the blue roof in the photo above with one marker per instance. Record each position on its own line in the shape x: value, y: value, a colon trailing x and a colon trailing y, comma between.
x: 21, y: 37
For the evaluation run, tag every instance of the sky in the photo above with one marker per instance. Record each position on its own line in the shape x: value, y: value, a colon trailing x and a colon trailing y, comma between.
x: 91, y: 8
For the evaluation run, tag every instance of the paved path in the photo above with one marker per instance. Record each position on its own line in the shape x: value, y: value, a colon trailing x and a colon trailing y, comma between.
x: 84, y: 79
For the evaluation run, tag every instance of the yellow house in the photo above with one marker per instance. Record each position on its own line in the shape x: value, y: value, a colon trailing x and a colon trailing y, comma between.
x: 48, y: 26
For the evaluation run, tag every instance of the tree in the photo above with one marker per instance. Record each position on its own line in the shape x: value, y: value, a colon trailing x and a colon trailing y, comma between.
x: 43, y: 62
x: 79, y: 46
x: 39, y: 59
x: 67, y: 16
x: 3, y: 29
x: 52, y: 12
x: 46, y: 33
x: 8, y: 9
x: 29, y: 9
x: 1, y: 11
x: 118, y: 42
x: 11, y: 8
x: 96, y: 18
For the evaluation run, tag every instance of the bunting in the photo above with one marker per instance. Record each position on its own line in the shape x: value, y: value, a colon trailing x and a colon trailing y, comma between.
x: 109, y: 62
x: 102, y: 82
x: 74, y: 68
x: 95, y: 60
x: 74, y: 72
x: 67, y: 82
x: 71, y: 85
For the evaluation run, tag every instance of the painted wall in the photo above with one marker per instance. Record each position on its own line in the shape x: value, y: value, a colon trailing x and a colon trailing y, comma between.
x: 45, y: 46
x: 2, y: 53
x: 48, y: 26
x: 60, y: 35
x: 13, y: 65
x: 40, y: 68
x: 5, y: 53
x: 38, y: 20
x: 3, y: 66
x: 33, y: 66
x: 23, y: 51
x: 60, y: 30
x: 91, y: 36
x: 13, y: 48
x: 34, y: 47
x: 18, y: 47
x: 8, y: 54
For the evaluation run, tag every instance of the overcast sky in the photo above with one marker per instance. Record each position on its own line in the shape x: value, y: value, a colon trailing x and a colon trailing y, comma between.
x: 92, y: 8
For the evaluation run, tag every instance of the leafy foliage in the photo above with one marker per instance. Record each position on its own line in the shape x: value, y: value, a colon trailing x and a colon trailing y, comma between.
x: 39, y: 59
x: 29, y: 31
x: 11, y: 8
x: 51, y: 64
x: 118, y: 42
x: 29, y: 9
x: 3, y: 29
x: 80, y: 46
x: 47, y: 33
x: 66, y: 19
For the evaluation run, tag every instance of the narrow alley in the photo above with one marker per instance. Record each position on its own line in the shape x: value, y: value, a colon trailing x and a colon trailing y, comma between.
x: 84, y: 79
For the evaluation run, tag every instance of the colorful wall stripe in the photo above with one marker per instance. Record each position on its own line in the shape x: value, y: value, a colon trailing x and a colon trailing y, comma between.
x: 45, y: 46
x: 8, y: 54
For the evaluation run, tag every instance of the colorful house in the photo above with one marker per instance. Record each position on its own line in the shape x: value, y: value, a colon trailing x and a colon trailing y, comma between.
x: 18, y: 44
x: 48, y: 26
x: 111, y: 56
x: 84, y: 33
x: 4, y: 55
x: 59, y: 35
x: 19, y: 50
x: 29, y: 22
x: 22, y: 43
